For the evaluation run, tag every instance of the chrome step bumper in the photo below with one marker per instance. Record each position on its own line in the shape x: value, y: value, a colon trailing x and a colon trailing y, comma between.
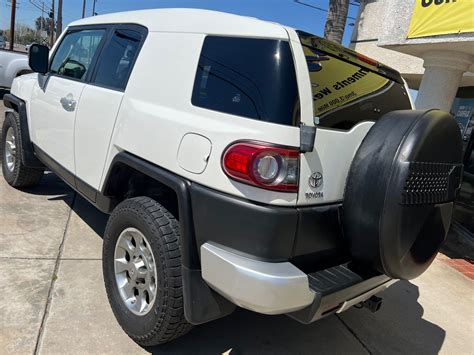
x: 269, y: 288
x: 282, y: 288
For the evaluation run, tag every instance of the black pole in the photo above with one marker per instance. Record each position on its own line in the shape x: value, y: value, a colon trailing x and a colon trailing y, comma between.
x: 60, y: 17
x: 84, y: 9
x: 12, y: 25
x: 53, y: 27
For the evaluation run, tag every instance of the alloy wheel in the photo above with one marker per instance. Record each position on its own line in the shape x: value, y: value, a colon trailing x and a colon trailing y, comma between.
x: 135, y: 271
x: 10, y: 149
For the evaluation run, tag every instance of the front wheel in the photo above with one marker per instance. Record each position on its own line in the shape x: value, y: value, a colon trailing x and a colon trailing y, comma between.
x: 142, y: 271
x: 15, y: 173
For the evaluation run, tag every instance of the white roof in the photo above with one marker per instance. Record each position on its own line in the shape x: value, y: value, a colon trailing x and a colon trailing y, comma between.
x: 192, y: 21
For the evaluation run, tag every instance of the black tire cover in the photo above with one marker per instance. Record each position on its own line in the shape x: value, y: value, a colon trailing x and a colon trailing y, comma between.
x: 400, y: 189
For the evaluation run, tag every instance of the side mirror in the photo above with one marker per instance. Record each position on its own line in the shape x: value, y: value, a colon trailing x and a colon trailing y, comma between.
x: 38, y: 58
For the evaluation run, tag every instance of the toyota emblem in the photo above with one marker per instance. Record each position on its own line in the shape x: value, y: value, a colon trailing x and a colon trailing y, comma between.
x: 315, y: 180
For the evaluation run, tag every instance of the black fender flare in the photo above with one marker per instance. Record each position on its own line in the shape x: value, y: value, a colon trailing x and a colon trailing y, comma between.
x: 28, y: 156
x: 201, y: 303
x: 179, y: 185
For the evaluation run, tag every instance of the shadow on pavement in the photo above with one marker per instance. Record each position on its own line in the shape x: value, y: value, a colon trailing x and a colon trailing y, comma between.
x: 51, y: 185
x: 246, y: 332
x: 399, y: 326
x: 91, y: 215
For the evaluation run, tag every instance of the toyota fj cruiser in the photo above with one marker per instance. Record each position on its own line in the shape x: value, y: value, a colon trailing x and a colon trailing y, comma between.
x: 243, y: 163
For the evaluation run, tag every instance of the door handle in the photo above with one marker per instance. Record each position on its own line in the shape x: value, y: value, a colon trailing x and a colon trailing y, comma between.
x: 68, y: 102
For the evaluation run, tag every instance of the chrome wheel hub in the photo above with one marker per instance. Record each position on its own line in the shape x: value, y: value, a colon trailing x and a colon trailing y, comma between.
x: 135, y: 271
x: 10, y: 150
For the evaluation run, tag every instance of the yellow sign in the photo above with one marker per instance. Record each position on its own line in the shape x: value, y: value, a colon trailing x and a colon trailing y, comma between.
x: 335, y: 82
x: 440, y: 17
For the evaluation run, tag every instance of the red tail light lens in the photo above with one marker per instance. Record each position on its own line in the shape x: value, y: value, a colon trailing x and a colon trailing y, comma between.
x: 264, y: 165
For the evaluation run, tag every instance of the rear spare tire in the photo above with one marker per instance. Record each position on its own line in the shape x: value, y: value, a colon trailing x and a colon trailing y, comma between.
x: 400, y: 190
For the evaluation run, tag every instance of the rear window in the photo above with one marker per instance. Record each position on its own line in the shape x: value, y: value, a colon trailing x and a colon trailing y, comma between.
x: 347, y: 87
x: 247, y: 77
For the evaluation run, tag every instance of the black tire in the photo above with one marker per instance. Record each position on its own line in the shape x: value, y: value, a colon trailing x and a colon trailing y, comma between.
x: 20, y: 176
x: 165, y: 321
x: 400, y: 191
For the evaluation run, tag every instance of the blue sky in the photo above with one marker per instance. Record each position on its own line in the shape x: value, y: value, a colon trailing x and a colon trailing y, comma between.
x: 286, y: 12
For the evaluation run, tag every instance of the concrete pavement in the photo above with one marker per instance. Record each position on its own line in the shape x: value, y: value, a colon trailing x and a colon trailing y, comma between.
x: 54, y: 300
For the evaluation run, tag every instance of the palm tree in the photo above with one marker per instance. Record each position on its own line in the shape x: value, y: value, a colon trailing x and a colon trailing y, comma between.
x: 336, y: 20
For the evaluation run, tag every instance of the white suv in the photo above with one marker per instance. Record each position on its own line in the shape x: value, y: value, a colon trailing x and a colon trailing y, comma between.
x: 244, y: 163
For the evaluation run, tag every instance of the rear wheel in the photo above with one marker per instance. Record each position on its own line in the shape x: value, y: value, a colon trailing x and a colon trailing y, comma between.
x: 14, y: 171
x: 142, y: 271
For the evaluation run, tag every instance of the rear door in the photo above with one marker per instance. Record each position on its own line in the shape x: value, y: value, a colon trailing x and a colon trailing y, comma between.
x: 54, y: 103
x: 350, y: 92
x: 100, y: 103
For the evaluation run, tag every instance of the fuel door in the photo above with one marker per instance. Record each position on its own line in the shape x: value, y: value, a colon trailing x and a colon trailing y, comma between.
x: 193, y: 153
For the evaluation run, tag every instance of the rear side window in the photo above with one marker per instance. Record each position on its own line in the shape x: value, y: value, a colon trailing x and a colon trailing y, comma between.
x: 117, y: 59
x: 252, y: 78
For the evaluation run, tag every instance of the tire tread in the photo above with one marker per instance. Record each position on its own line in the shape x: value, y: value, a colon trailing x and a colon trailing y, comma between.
x: 171, y: 323
x: 22, y: 176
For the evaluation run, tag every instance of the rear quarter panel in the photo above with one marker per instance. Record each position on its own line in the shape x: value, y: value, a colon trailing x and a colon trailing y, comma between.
x: 157, y: 112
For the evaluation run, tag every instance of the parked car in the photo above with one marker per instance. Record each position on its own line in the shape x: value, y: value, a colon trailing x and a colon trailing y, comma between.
x: 3, y: 44
x: 12, y: 65
x: 243, y: 163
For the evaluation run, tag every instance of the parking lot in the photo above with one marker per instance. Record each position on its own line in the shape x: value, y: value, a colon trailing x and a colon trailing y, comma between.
x: 54, y: 300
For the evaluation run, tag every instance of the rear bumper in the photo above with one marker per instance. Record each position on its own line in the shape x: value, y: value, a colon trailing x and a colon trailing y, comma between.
x: 257, y: 257
x: 269, y: 233
x: 282, y: 288
x: 269, y: 288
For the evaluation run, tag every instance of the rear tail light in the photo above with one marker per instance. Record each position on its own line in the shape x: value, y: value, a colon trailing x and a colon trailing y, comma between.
x: 268, y: 166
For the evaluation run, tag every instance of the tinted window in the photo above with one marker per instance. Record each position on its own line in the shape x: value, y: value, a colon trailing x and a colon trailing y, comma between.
x: 75, y: 53
x: 253, y: 78
x: 117, y: 59
x: 347, y: 87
